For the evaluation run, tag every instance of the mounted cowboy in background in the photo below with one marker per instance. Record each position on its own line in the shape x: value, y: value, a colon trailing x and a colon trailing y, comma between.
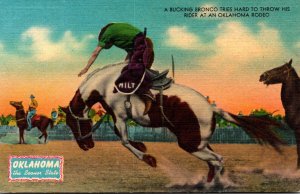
x: 40, y: 121
x: 31, y: 111
x: 136, y: 76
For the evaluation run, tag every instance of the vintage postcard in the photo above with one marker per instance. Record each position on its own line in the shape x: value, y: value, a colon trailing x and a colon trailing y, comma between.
x: 149, y: 96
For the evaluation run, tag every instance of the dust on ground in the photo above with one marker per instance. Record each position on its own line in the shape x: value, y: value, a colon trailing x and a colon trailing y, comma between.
x: 109, y: 167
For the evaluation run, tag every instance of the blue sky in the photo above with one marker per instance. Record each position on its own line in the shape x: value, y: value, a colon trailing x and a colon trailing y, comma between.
x: 82, y: 18
x: 52, y: 40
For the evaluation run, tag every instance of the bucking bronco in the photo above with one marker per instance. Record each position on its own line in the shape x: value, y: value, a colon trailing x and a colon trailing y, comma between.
x: 184, y: 111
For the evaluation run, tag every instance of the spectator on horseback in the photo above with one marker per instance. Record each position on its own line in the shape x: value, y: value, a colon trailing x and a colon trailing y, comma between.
x: 31, y: 111
x: 140, y: 55
x: 54, y: 115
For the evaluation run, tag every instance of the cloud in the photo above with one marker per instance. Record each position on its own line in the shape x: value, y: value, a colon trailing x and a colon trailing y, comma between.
x: 44, y: 49
x: 180, y: 37
x: 237, y: 46
x: 37, y: 52
x: 234, y: 47
x: 231, y: 72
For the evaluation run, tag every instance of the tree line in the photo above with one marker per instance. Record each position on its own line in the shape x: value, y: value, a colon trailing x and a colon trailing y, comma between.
x: 96, y: 114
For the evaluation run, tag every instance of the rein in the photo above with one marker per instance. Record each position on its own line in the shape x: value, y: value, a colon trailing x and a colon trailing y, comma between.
x: 78, y: 119
x: 20, y: 119
x: 22, y: 109
x: 161, y: 107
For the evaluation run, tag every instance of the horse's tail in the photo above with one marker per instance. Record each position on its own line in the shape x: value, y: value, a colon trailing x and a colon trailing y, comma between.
x: 262, y: 128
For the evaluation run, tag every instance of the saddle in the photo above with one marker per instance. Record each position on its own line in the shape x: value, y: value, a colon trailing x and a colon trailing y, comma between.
x: 159, y: 80
x: 35, y: 118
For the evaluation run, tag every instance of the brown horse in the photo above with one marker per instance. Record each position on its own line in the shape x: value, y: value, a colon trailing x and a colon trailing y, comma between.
x: 290, y: 96
x: 42, y: 123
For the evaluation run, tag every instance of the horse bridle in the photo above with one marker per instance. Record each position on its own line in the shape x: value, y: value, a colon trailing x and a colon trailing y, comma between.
x: 288, y: 70
x: 77, y: 118
x: 22, y: 109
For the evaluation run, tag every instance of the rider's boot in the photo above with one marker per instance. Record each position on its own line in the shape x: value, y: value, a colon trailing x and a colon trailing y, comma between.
x: 29, y: 126
x: 148, y: 98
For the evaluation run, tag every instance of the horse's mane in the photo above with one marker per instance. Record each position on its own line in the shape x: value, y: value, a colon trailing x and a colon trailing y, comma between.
x: 296, y: 79
x: 90, y: 75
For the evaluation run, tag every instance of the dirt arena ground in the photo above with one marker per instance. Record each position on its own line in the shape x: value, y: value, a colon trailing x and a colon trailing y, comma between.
x: 109, y: 167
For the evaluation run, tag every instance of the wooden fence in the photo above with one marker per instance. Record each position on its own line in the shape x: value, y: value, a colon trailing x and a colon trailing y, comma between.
x: 105, y: 132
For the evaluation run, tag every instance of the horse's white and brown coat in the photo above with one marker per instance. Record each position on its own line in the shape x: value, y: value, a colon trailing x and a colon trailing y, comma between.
x: 188, y: 110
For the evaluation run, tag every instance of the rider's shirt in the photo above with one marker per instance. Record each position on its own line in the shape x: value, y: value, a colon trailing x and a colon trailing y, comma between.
x: 33, y: 104
x: 121, y: 35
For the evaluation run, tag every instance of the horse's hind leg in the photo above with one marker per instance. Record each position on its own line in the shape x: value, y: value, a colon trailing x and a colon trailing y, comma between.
x: 43, y: 129
x: 46, y: 136
x: 212, y: 171
x: 21, y: 137
x: 40, y: 137
x: 214, y: 161
x: 196, y: 143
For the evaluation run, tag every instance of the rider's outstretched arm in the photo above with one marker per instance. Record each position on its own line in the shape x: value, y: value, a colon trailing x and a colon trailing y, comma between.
x: 91, y: 60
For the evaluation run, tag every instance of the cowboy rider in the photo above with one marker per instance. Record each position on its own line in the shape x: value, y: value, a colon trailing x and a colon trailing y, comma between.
x: 31, y: 111
x: 140, y: 54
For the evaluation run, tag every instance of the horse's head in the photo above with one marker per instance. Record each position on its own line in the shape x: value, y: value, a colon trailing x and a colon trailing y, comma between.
x: 277, y: 75
x: 17, y: 104
x: 81, y: 128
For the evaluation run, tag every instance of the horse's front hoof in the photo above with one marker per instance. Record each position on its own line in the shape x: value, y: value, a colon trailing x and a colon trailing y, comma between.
x: 149, y: 160
x: 138, y: 145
